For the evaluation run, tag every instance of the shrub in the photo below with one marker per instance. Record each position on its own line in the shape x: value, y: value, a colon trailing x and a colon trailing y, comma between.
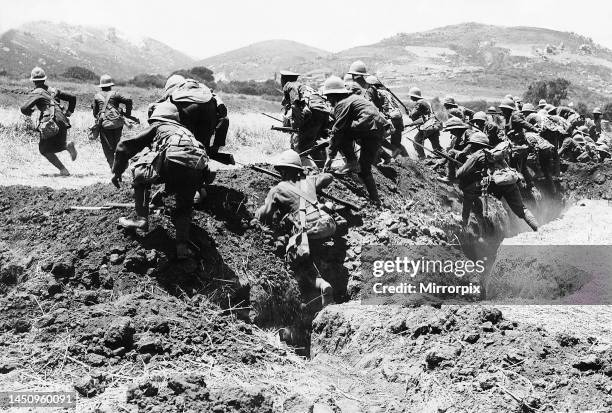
x: 200, y: 73
x: 148, y: 81
x: 251, y: 87
x: 79, y: 73
x: 582, y: 108
x: 607, y: 111
x: 553, y: 91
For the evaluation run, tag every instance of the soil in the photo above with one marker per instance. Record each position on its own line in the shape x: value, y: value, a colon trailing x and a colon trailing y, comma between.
x: 113, y: 315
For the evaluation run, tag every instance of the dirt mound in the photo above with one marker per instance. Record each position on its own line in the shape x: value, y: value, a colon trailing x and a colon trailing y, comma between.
x: 458, y: 358
x: 591, y: 180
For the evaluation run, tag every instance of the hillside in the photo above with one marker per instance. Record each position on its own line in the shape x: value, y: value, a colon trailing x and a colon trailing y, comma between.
x: 101, y: 49
x: 260, y: 61
x: 469, y: 60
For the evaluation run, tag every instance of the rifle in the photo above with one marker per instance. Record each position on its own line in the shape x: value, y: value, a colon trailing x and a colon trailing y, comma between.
x: 284, y: 129
x: 272, y: 117
x: 440, y: 154
x: 110, y: 205
x: 318, y: 146
x: 394, y: 95
x: 333, y: 198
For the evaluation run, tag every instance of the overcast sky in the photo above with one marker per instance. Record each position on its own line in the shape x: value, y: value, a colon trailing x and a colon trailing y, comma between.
x: 206, y: 28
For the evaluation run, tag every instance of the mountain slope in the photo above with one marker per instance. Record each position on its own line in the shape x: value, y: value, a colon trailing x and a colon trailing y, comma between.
x: 260, y: 61
x: 100, y: 49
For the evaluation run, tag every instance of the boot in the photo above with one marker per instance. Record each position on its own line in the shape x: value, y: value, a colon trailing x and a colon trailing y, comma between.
x: 141, y: 223
x: 530, y: 220
x: 72, y: 151
x: 370, y: 185
x: 351, y: 166
x: 327, y: 296
x: 64, y: 172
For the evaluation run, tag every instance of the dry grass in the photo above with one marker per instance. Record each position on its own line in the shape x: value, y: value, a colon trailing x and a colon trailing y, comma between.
x: 249, y: 138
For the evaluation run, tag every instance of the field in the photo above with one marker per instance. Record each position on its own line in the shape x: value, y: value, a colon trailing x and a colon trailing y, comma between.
x: 113, y: 315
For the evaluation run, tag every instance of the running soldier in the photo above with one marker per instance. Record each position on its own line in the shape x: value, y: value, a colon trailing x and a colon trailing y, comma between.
x: 53, y: 123
x: 429, y: 126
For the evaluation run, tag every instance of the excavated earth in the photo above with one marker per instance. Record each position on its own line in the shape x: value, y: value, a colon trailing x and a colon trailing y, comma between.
x: 112, y: 314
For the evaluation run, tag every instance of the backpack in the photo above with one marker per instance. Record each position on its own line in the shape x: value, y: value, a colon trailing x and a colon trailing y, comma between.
x: 52, y: 119
x: 432, y: 123
x: 313, y: 100
x: 320, y: 227
x: 110, y: 117
x: 191, y: 91
x: 499, y: 172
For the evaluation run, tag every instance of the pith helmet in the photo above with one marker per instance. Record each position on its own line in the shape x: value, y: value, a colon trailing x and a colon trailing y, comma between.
x: 334, y: 84
x: 449, y: 101
x: 480, y: 116
x: 106, y: 81
x: 288, y: 73
x: 597, y: 111
x: 38, y: 74
x: 358, y: 68
x: 289, y: 159
x: 507, y: 104
x: 479, y: 138
x: 518, y: 99
x: 542, y: 103
x: 415, y: 92
x: 165, y: 111
x: 173, y: 81
x: 492, y: 110
x: 509, y: 96
x: 373, y: 80
x: 528, y: 108
x: 454, y: 123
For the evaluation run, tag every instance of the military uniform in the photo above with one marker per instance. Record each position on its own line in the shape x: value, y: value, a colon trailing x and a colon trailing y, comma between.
x: 40, y: 98
x: 357, y: 119
x: 180, y: 164
x: 385, y: 103
x: 422, y: 111
x: 515, y: 128
x: 109, y: 138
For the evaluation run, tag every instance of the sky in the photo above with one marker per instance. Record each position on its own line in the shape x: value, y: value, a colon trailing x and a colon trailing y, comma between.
x: 206, y: 28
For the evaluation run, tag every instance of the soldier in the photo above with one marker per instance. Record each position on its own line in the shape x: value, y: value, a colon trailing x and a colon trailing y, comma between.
x: 564, y: 111
x: 579, y: 148
x: 457, y: 111
x: 542, y: 103
x: 309, y: 115
x: 109, y: 117
x: 386, y: 104
x: 459, y: 140
x: 358, y: 72
x: 176, y: 159
x: 53, y: 123
x: 295, y: 200
x: 429, y: 127
x: 478, y: 166
x: 518, y: 102
x: 348, y: 82
x: 515, y: 128
x: 488, y: 127
x: 595, y: 126
x: 356, y: 119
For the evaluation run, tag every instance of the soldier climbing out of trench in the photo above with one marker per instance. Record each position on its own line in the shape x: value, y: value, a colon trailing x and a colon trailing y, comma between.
x: 308, y: 113
x: 176, y: 159
x: 109, y: 117
x: 429, y: 126
x: 201, y: 111
x: 293, y: 202
x: 53, y: 123
x: 485, y: 172
x: 356, y: 120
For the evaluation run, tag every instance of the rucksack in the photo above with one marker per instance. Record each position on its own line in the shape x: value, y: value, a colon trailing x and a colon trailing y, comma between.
x: 110, y: 117
x: 498, y: 170
x: 191, y: 91
x: 431, y: 123
x: 52, y: 119
x: 320, y: 227
x: 313, y: 100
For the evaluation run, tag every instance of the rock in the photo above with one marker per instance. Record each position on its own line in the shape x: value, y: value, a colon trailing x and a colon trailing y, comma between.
x: 119, y: 333
x: 6, y: 367
x: 178, y: 385
x: 487, y: 326
x: 471, y: 337
x: 115, y: 259
x: 88, y: 386
x: 149, y: 344
x: 96, y: 360
x: 297, y: 403
x: 54, y: 288
x: 486, y: 381
x: 505, y: 325
x: 440, y: 354
x: 63, y: 270
x: 513, y: 357
x: 566, y: 340
x: 161, y: 327
x: 590, y: 362
x: 21, y: 326
x: 136, y: 391
x: 493, y: 315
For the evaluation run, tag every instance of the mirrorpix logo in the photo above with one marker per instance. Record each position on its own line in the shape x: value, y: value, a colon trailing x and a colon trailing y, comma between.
x: 423, y: 267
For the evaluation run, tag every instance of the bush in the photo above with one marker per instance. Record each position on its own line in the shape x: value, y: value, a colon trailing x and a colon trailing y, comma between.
x: 148, y: 81
x: 79, y: 73
x: 251, y: 87
x: 582, y: 108
x: 553, y: 91
x: 607, y: 111
x: 199, y: 73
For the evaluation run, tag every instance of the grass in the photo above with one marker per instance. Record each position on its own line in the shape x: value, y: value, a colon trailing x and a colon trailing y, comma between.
x: 249, y: 138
